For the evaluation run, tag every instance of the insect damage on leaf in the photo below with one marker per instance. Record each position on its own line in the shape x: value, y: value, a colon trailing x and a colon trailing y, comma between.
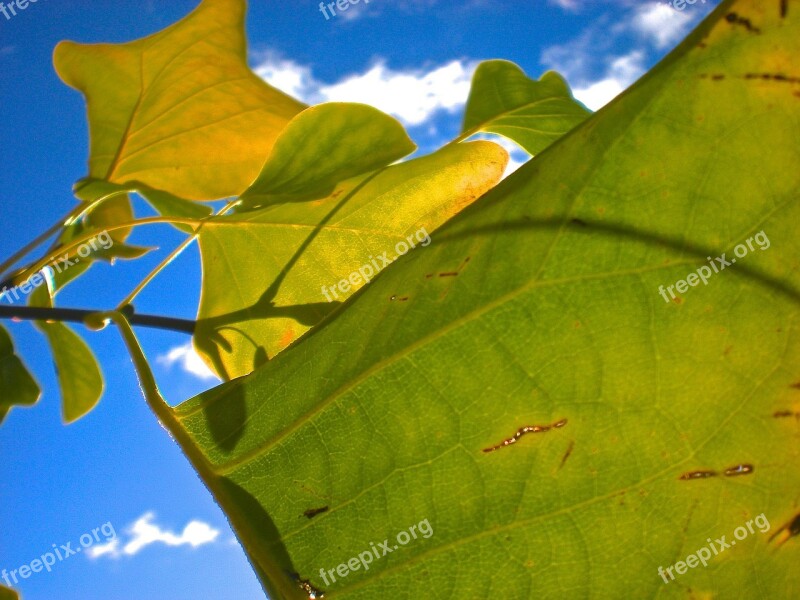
x: 308, y: 588
x: 566, y: 454
x: 697, y: 475
x: 524, y: 430
x: 737, y: 20
x: 782, y: 414
x: 313, y: 512
x: 741, y: 469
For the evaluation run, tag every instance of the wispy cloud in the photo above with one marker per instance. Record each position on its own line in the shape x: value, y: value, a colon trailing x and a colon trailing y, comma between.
x: 617, y: 48
x: 661, y: 25
x: 413, y: 96
x: 570, y: 5
x: 187, y: 358
x: 144, y: 532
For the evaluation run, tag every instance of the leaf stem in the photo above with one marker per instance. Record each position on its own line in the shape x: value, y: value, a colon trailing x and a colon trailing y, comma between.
x: 5, y: 266
x: 278, y: 585
x: 172, y: 256
x: 67, y: 249
x: 75, y: 213
x: 74, y: 315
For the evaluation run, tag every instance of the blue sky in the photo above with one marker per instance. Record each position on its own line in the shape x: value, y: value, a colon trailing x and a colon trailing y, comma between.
x: 116, y: 469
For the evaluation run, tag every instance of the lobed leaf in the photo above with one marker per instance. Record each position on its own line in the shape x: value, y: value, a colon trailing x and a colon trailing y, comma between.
x: 180, y: 110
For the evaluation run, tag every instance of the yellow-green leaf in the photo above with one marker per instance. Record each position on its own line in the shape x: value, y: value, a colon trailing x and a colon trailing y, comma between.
x: 264, y: 271
x: 534, y: 114
x: 79, y: 375
x: 324, y: 145
x: 180, y: 110
x: 636, y: 430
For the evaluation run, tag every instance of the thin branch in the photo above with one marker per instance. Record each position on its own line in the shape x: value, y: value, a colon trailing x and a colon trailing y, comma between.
x: 172, y: 256
x: 74, y: 315
x: 38, y: 241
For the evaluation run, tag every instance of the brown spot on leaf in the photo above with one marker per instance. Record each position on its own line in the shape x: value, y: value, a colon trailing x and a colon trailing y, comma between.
x: 566, y: 454
x: 525, y: 430
x: 784, y: 414
x: 735, y: 19
x: 739, y: 470
x: 313, y: 512
x: 697, y: 475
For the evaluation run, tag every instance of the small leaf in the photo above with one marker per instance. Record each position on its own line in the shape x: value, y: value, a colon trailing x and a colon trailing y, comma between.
x: 114, y: 210
x: 324, y: 145
x: 168, y: 205
x: 534, y: 114
x: 78, y: 373
x: 180, y: 110
x: 18, y: 386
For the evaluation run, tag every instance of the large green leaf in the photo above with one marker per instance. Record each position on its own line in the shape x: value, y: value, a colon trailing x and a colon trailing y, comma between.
x: 505, y: 101
x: 179, y: 111
x: 18, y: 386
x: 540, y: 306
x: 265, y: 272
x: 323, y: 146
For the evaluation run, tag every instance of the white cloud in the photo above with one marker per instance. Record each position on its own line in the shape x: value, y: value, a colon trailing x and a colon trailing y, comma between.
x: 623, y: 71
x: 411, y: 96
x: 414, y: 96
x: 616, y: 49
x: 144, y: 533
x: 111, y: 548
x: 570, y: 5
x: 188, y: 359
x: 661, y: 23
x: 286, y: 75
